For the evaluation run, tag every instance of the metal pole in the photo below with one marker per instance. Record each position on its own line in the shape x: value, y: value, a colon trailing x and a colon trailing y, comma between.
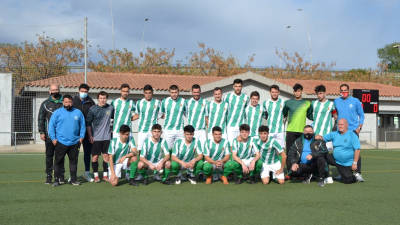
x: 385, y: 141
x: 86, y: 20
x: 15, y: 141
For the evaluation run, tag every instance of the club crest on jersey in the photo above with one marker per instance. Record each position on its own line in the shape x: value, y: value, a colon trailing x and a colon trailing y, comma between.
x: 351, y: 106
x: 108, y: 113
x: 76, y: 118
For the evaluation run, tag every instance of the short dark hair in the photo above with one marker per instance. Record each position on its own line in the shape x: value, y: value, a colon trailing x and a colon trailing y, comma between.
x: 124, y: 128
x: 245, y: 127
x: 297, y: 86
x: 238, y: 81
x: 189, y: 129
x: 308, y: 126
x: 345, y: 85
x: 173, y: 87
x: 320, y: 88
x: 156, y: 127
x: 84, y: 86
x: 124, y: 85
x: 196, y: 86
x: 274, y: 86
x: 263, y: 128
x: 67, y: 96
x: 102, y: 93
x: 148, y: 87
x: 255, y: 93
x: 216, y: 128
x: 217, y: 89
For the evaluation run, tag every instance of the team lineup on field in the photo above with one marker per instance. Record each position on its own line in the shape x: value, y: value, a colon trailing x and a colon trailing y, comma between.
x: 203, y: 141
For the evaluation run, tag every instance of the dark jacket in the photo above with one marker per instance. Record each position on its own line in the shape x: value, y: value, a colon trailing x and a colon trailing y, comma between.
x: 46, y: 110
x: 318, y: 148
x: 83, y: 106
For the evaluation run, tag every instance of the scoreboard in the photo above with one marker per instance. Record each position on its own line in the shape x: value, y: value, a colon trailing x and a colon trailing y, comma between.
x: 369, y: 99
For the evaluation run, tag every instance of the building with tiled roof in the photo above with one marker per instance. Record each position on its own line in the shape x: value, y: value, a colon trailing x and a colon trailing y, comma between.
x: 389, y: 98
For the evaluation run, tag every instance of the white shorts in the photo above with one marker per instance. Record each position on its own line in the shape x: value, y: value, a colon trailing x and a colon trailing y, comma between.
x: 247, y: 162
x: 329, y: 146
x: 119, y: 167
x: 210, y: 136
x: 267, y: 168
x: 232, y: 133
x: 171, y: 136
x: 142, y: 136
x: 155, y: 164
x: 201, y: 135
x: 280, y: 137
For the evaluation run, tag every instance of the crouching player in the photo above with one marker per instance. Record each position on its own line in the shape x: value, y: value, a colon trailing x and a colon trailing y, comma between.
x: 155, y: 155
x: 245, y: 156
x: 269, y: 149
x: 122, y: 152
x: 216, y: 154
x: 187, y: 155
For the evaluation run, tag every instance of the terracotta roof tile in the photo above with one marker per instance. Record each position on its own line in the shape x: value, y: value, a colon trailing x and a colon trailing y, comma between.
x: 332, y: 87
x: 136, y: 81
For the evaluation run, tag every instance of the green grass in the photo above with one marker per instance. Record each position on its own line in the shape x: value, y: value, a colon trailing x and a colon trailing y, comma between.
x: 24, y: 199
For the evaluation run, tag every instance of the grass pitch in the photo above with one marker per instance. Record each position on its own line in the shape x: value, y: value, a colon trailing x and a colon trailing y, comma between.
x: 25, y: 199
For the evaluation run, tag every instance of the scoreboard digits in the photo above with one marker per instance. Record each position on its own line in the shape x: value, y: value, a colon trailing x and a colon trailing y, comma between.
x: 369, y: 99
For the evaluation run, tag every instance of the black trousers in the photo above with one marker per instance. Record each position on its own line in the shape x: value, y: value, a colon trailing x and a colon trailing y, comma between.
x: 318, y: 165
x: 73, y: 153
x: 290, y: 138
x: 359, y: 159
x: 87, y: 153
x: 345, y: 171
x: 50, y: 158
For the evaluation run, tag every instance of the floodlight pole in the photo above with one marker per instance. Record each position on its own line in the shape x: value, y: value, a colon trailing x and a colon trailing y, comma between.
x: 85, y: 43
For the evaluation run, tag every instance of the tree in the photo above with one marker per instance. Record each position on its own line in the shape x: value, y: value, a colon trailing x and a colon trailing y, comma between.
x: 44, y: 59
x: 390, y: 57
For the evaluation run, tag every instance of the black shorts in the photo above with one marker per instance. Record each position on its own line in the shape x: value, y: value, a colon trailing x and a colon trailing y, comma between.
x: 100, y: 147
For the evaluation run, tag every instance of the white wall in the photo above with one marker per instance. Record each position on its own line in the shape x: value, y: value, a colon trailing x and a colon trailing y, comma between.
x: 5, y: 108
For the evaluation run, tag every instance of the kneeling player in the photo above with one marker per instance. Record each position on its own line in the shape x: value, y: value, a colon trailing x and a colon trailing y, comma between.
x: 216, y: 154
x: 269, y: 149
x: 245, y: 156
x: 122, y: 151
x: 155, y: 155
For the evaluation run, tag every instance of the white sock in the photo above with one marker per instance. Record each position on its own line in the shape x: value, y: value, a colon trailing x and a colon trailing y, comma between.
x: 104, y: 174
x: 96, y: 174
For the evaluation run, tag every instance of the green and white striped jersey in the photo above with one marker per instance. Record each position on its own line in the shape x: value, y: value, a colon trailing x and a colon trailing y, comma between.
x: 123, y: 111
x: 275, y: 115
x: 174, y: 111
x: 254, y: 118
x: 322, y: 116
x: 216, y: 151
x: 118, y: 149
x: 268, y: 150
x: 187, y: 152
x: 236, y: 108
x: 244, y: 150
x: 196, y: 112
x: 217, y: 115
x: 154, y: 152
x: 149, y: 112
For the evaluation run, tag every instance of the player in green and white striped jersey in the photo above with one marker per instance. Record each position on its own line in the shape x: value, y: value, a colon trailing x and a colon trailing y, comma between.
x: 173, y: 109
x: 254, y: 113
x: 216, y: 113
x: 122, y: 152
x: 148, y: 110
x: 196, y: 112
x: 273, y: 110
x: 245, y: 156
x: 124, y: 109
x: 322, y: 114
x: 237, y: 103
x: 187, y: 155
x: 270, y: 150
x: 155, y: 155
x: 216, y: 153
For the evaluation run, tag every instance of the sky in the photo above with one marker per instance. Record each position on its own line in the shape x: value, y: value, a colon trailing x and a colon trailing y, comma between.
x: 345, y: 32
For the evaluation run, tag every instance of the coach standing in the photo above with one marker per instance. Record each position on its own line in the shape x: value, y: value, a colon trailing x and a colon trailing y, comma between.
x: 84, y: 102
x: 67, y: 130
x: 350, y: 108
x: 46, y: 110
